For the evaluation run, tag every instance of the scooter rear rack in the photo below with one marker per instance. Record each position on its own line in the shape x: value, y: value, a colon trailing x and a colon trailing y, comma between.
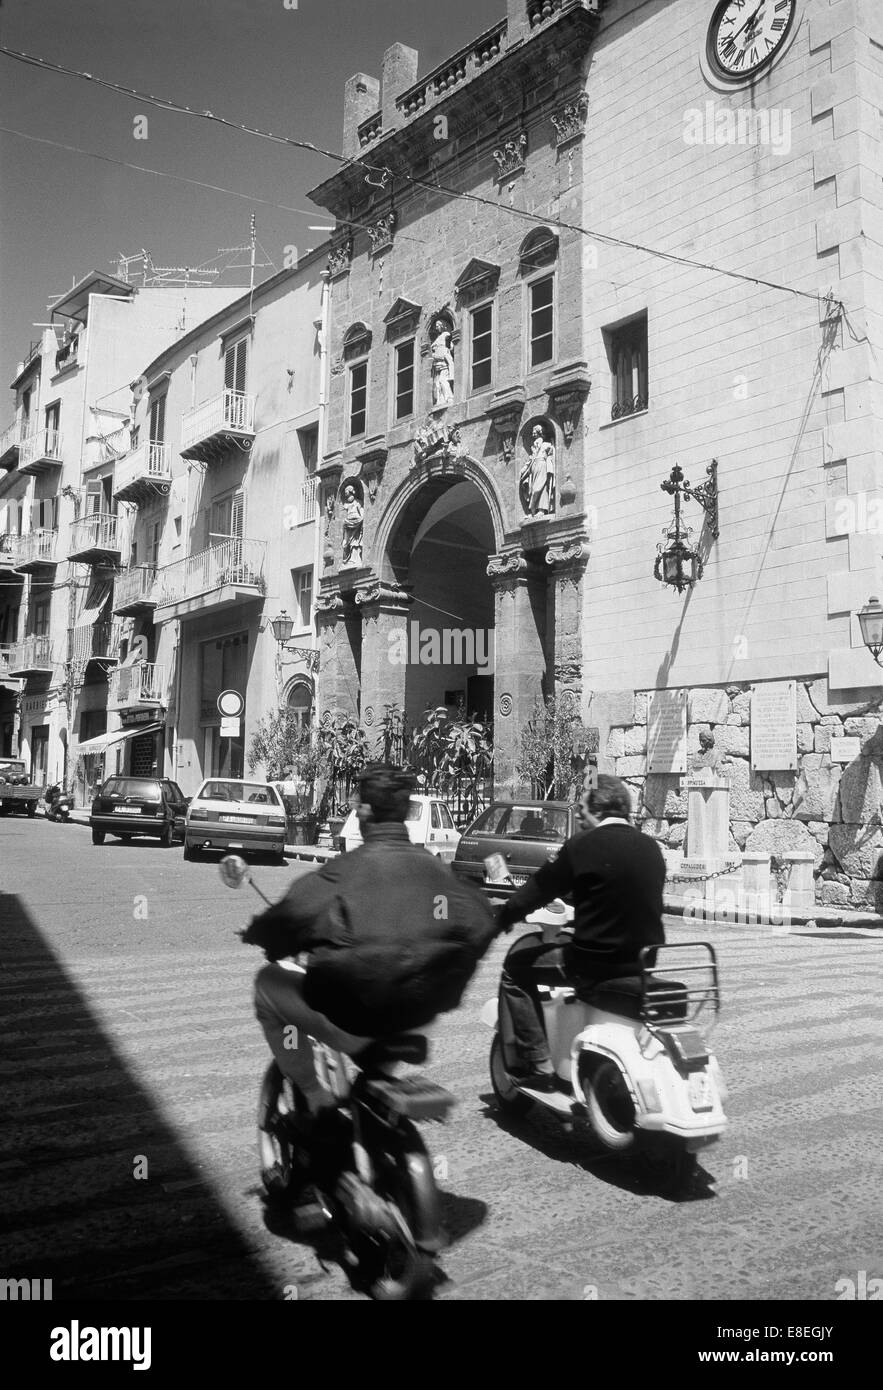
x: 667, y: 994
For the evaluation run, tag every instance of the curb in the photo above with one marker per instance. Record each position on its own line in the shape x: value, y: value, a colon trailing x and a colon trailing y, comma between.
x: 821, y: 920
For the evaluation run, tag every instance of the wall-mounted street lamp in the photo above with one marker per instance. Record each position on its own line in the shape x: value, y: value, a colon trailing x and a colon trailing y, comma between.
x: 870, y: 620
x: 282, y: 626
x: 678, y: 561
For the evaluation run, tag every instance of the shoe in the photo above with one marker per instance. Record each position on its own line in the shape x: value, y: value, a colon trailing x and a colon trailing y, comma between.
x: 535, y: 1080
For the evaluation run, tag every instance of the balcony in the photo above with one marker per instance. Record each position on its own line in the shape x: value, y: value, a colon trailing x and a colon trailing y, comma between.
x: 133, y: 591
x: 8, y: 553
x: 95, y: 540
x: 40, y: 452
x: 213, y: 428
x: 143, y: 473
x: 94, y: 642
x: 10, y: 446
x: 6, y: 650
x: 35, y: 551
x: 133, y: 687
x: 219, y: 577
x: 32, y: 657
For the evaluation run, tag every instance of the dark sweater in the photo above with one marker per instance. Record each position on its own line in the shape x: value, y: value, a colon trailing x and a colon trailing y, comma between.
x: 393, y: 936
x: 616, y: 876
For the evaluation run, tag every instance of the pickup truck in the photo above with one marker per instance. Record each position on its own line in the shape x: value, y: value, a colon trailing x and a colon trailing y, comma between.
x: 17, y: 792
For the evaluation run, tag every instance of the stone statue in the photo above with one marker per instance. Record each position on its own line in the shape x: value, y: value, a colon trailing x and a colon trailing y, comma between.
x: 538, y: 476
x: 708, y: 756
x: 353, y: 513
x: 442, y: 366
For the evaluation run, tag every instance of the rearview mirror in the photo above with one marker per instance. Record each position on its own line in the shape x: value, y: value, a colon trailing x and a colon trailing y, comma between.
x: 234, y: 871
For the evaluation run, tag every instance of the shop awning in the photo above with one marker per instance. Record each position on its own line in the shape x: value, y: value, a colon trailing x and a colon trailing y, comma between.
x: 105, y: 741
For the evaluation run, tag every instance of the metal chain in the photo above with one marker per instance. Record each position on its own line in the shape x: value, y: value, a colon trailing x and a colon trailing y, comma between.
x: 702, y: 878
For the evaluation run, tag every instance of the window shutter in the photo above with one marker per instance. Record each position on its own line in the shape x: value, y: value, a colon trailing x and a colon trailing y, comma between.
x: 158, y: 420
x: 234, y: 365
x: 237, y: 514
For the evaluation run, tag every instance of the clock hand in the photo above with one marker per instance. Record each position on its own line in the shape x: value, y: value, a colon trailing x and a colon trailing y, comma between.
x: 750, y: 20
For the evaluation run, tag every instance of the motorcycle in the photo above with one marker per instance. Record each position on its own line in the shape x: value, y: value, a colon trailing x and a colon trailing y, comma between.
x: 630, y: 1058
x: 57, y: 803
x: 380, y: 1196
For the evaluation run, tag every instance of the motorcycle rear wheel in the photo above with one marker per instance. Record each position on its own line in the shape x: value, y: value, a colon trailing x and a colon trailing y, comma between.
x: 393, y: 1269
x: 611, y: 1110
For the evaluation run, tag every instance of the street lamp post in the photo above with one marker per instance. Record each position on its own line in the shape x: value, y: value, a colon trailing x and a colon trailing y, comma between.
x: 870, y: 620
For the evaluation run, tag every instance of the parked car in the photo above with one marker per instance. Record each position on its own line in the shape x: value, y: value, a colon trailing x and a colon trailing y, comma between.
x: 429, y: 823
x: 230, y: 814
x: 525, y: 833
x: 17, y: 791
x: 128, y: 806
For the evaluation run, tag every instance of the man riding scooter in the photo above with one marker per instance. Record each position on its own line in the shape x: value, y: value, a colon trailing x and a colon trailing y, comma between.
x: 392, y: 939
x: 616, y: 877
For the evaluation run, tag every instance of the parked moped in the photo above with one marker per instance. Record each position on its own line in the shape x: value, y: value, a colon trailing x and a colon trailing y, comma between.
x: 57, y: 803
x: 381, y: 1194
x: 630, y: 1058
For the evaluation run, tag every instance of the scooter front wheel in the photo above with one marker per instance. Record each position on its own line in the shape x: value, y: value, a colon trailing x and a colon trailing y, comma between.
x: 507, y: 1095
x: 610, y: 1108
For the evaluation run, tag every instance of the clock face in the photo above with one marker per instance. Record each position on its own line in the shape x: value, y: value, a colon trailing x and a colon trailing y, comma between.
x: 745, y: 35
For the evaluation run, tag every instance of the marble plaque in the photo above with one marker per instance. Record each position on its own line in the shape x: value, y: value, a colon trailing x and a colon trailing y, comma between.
x: 774, y: 726
x: 843, y: 750
x: 667, y: 731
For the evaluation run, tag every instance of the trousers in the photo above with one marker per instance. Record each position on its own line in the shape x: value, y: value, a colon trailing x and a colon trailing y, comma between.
x: 289, y: 1023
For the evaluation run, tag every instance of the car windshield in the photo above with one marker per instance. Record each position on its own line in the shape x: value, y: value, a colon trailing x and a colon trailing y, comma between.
x: 132, y: 786
x: 256, y: 793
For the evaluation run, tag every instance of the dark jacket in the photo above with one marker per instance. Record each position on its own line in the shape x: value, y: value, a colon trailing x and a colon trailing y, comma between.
x: 616, y: 876
x: 393, y: 936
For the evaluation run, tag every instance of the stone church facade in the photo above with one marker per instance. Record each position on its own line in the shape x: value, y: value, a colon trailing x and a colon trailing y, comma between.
x: 508, y: 391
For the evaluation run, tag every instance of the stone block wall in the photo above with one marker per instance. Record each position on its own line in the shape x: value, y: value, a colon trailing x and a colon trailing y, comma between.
x: 832, y: 810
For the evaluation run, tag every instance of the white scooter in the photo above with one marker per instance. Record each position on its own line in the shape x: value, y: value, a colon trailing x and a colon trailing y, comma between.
x: 629, y: 1057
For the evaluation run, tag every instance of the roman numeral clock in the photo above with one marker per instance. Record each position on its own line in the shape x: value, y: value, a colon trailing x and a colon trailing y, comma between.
x: 746, y: 36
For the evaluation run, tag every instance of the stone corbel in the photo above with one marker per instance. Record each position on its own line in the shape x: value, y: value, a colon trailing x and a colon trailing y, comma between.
x: 568, y: 557
x: 567, y: 392
x: 390, y: 598
x: 507, y: 572
x: 340, y: 257
x: 570, y: 121
x: 511, y: 158
x: 505, y: 412
x: 372, y: 463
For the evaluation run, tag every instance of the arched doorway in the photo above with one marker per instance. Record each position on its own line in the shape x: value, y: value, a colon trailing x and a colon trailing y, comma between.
x: 439, y: 550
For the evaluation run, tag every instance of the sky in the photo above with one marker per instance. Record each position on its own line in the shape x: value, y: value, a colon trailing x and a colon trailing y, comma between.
x: 282, y: 69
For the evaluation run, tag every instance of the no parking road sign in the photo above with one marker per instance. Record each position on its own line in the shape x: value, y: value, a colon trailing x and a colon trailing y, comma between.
x: 230, y: 707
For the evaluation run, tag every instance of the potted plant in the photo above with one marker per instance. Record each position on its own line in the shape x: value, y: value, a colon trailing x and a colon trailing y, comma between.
x: 343, y: 749
x: 291, y: 755
x: 555, y: 751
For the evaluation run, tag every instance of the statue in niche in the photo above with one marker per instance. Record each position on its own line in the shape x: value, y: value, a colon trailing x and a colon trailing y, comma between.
x: 709, y: 757
x: 538, y: 476
x: 442, y: 365
x: 353, y: 514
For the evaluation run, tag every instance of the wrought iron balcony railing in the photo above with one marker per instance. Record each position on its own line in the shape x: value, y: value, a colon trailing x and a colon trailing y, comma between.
x: 35, y: 549
x: 40, y: 451
x: 133, y: 590
x: 136, y: 685
x: 212, y: 427
x: 236, y: 562
x: 144, y: 471
x: 94, y: 537
x: 32, y: 656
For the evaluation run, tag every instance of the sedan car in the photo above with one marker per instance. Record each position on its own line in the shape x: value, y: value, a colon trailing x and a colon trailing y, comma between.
x: 525, y: 834
x: 428, y: 823
x: 229, y: 814
x: 128, y: 806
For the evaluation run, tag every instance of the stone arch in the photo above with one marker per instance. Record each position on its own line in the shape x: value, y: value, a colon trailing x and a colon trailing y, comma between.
x: 299, y: 694
x: 406, y: 507
x: 539, y: 248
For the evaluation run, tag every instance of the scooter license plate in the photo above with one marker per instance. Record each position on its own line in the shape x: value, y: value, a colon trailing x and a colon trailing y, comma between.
x: 700, y: 1091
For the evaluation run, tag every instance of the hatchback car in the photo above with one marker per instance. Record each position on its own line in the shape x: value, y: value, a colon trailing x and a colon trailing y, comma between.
x: 228, y: 814
x: 525, y: 833
x: 428, y: 823
x: 128, y: 806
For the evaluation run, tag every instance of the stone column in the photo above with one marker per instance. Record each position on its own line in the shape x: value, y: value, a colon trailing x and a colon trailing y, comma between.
x: 519, y: 659
x: 567, y: 561
x: 385, y: 610
x: 339, y: 675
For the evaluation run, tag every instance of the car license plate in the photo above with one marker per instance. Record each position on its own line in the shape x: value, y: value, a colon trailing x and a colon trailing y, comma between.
x: 238, y: 820
x: 127, y: 810
x: 700, y: 1091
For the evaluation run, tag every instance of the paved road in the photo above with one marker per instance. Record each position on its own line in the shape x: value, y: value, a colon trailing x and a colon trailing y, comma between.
x: 126, y: 1035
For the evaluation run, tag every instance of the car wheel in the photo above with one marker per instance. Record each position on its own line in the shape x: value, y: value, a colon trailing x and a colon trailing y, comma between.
x: 166, y: 835
x: 98, y: 836
x: 189, y: 852
x: 32, y: 808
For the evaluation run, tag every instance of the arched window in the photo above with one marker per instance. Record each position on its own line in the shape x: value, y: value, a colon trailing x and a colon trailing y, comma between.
x: 539, y: 248
x: 300, y: 702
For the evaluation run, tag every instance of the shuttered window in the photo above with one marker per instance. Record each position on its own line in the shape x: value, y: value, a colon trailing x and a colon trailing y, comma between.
x: 158, y: 419
x: 234, y: 365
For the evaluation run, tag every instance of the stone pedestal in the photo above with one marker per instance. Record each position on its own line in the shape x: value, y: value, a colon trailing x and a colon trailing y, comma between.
x: 708, y: 817
x: 756, y: 886
x: 799, y: 885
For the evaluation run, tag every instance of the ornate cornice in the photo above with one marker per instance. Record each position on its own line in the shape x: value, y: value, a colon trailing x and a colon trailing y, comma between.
x: 570, y: 555
x: 513, y: 565
x: 390, y: 597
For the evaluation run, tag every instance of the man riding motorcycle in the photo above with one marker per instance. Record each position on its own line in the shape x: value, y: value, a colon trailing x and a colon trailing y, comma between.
x: 616, y: 876
x: 391, y: 936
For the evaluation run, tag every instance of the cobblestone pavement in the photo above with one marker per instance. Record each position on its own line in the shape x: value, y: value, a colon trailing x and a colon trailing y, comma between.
x: 127, y: 1034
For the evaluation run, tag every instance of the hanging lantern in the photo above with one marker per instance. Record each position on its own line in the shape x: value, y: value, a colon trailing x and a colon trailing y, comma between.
x: 870, y: 620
